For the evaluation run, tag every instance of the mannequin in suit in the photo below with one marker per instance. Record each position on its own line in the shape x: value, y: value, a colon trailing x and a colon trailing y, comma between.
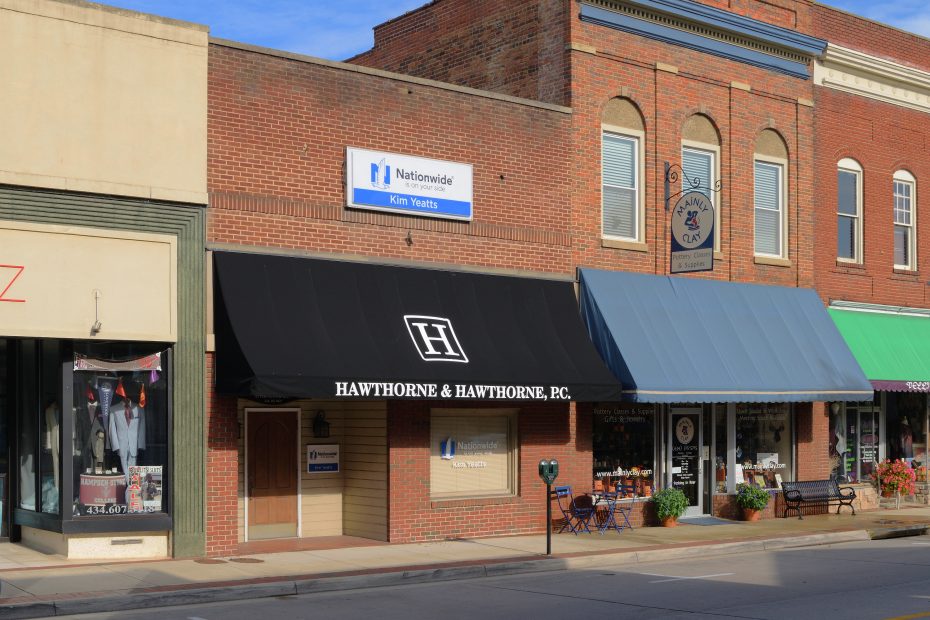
x: 127, y: 434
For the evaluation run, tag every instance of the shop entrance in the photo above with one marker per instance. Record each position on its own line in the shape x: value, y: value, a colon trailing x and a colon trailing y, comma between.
x: 272, y: 474
x: 685, y: 467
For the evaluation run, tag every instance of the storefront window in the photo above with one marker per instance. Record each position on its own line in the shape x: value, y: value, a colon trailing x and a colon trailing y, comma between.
x: 764, y: 454
x: 120, y: 431
x: 855, y: 441
x: 624, y: 448
x: 906, y: 417
x: 4, y: 438
x: 720, y: 452
x: 473, y: 453
x: 28, y: 423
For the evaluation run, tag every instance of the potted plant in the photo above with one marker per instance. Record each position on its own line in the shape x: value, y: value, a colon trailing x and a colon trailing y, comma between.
x: 896, y: 478
x: 670, y: 503
x: 752, y: 500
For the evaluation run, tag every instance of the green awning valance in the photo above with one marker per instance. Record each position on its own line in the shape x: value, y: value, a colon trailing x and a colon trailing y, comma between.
x: 892, y: 349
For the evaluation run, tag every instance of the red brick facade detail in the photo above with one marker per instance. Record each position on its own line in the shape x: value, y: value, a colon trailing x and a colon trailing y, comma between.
x: 516, y: 47
x: 222, y: 469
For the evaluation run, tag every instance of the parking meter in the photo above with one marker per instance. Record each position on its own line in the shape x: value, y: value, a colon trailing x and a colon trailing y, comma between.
x: 548, y: 472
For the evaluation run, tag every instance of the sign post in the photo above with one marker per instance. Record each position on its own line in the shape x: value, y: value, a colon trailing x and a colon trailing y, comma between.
x: 548, y: 472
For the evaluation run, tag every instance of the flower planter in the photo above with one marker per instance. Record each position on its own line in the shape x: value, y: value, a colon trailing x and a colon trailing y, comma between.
x: 751, y: 515
x: 669, y: 522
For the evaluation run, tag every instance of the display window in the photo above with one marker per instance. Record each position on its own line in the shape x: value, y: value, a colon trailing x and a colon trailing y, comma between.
x: 120, y: 436
x: 624, y: 445
x: 764, y: 444
x: 473, y: 453
x: 855, y: 441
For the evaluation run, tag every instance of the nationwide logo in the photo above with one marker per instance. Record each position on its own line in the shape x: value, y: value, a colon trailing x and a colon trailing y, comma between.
x: 447, y: 449
x: 380, y: 175
x: 434, y: 339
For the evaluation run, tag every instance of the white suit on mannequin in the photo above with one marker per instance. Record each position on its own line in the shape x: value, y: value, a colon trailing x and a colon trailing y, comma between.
x: 127, y: 434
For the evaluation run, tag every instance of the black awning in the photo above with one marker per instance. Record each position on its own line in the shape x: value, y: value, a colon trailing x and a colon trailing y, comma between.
x: 309, y: 328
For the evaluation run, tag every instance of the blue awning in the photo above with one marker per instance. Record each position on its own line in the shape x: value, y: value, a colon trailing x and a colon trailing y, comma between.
x: 673, y: 339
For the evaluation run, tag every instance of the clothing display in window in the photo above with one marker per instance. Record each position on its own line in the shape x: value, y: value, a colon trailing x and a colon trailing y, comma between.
x: 52, y: 440
x: 127, y: 434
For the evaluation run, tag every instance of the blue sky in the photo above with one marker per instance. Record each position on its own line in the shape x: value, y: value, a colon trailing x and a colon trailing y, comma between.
x: 338, y: 29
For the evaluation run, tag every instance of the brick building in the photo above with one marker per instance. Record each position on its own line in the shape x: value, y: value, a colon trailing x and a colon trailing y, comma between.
x: 872, y: 96
x: 720, y: 92
x: 584, y: 110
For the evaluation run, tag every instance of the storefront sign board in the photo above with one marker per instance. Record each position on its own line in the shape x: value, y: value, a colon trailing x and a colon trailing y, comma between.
x: 397, y: 183
x: 322, y: 458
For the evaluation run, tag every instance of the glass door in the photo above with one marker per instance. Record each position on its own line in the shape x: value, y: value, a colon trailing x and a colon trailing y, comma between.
x: 685, y: 463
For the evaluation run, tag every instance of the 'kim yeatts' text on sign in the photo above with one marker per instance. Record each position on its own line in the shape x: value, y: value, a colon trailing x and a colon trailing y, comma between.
x: 692, y: 234
x: 405, y: 184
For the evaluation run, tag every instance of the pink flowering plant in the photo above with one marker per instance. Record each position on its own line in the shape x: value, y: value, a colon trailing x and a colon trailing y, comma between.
x: 897, y: 476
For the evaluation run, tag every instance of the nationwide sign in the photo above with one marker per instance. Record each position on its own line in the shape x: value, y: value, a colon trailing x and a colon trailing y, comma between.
x: 449, y: 391
x: 692, y: 234
x: 403, y: 184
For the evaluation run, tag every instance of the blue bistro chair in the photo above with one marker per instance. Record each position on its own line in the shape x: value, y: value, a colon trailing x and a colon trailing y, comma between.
x: 623, y: 509
x: 576, y: 512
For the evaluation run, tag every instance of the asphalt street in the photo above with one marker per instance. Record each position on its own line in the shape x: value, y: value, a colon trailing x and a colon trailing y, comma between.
x: 878, y: 579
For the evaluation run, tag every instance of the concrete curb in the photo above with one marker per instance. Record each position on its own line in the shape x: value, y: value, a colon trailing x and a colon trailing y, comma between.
x: 899, y: 532
x: 288, y: 587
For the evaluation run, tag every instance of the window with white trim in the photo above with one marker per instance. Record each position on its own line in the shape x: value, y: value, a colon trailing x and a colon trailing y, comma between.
x: 620, y: 191
x: 700, y: 165
x: 769, y: 200
x: 905, y: 190
x: 849, y: 211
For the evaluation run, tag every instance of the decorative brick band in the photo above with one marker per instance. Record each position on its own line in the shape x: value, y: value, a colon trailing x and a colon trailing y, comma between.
x: 289, y: 207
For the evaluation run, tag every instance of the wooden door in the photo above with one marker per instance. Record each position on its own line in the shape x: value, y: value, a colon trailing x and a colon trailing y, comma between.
x: 272, y: 474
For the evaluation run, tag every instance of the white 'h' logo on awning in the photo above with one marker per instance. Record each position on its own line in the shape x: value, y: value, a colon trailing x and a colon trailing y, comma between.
x: 434, y: 338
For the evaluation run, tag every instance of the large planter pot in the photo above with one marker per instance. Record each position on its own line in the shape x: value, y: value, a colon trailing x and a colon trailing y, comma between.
x: 887, y: 492
x: 751, y: 515
x: 670, y: 522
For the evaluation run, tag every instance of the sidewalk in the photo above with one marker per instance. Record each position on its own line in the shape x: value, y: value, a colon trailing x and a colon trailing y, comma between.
x: 70, y: 588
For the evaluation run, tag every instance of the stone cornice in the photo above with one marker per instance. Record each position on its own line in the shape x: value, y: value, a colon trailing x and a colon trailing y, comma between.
x: 861, y: 74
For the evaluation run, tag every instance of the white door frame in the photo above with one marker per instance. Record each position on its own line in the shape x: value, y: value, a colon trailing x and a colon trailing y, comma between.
x: 245, y: 476
x: 697, y: 510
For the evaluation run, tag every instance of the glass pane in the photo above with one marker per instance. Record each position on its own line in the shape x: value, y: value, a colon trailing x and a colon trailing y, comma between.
x: 619, y: 161
x: 902, y: 245
x: 720, y: 456
x: 698, y: 166
x: 848, y: 194
x: 624, y: 448
x: 120, y: 431
x: 846, y: 237
x: 50, y: 424
x: 5, y: 415
x: 620, y: 212
x: 906, y: 415
x: 768, y: 232
x: 838, y: 447
x: 29, y: 423
x: 764, y: 454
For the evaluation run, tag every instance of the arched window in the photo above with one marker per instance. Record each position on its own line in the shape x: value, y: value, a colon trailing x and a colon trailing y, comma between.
x: 905, y: 220
x: 700, y: 161
x: 849, y: 211
x: 770, y: 196
x: 622, y: 177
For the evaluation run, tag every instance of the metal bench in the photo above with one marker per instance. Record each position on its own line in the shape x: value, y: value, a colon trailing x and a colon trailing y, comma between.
x: 820, y: 492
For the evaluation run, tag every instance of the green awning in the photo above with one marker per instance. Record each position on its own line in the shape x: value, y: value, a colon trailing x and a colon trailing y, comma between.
x: 892, y: 349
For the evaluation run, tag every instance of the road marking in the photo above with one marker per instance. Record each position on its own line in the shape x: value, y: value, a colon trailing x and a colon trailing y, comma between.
x: 667, y: 578
x: 913, y: 543
x: 923, y: 614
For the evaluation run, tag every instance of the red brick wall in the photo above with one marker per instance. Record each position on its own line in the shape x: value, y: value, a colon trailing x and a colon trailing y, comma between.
x: 883, y: 138
x: 278, y: 130
x: 626, y: 66
x: 515, y: 47
x: 544, y: 430
x: 848, y: 30
x: 222, y: 469
x: 813, y: 434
